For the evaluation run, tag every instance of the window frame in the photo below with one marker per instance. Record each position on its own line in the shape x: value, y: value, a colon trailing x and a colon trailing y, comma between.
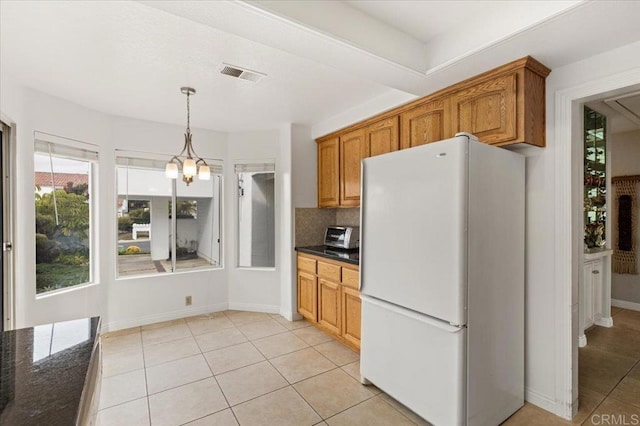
x: 92, y: 150
x: 269, y: 166
x: 217, y: 169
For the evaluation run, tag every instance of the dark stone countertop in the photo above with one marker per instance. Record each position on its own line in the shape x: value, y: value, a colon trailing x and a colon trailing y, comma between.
x: 43, y: 371
x: 348, y: 256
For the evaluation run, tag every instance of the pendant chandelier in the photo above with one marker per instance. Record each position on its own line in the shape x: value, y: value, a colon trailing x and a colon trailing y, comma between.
x: 190, y: 165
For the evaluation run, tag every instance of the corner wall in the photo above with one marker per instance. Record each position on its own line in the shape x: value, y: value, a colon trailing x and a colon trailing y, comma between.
x: 625, y: 160
x: 121, y: 303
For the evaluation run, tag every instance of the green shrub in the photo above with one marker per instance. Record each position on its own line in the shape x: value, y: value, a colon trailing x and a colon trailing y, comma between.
x: 140, y: 215
x: 76, y: 259
x: 46, y: 250
x: 125, y: 224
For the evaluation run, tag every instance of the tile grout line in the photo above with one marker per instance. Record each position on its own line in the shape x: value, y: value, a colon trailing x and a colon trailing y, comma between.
x: 202, y: 353
x: 215, y: 379
x: 608, y: 394
x: 289, y: 383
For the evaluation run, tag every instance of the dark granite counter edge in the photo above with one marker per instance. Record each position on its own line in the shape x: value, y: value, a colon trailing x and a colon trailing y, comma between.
x: 314, y: 251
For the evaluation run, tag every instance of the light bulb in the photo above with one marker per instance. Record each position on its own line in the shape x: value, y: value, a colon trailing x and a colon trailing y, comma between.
x: 189, y: 167
x: 171, y: 171
x: 204, y: 173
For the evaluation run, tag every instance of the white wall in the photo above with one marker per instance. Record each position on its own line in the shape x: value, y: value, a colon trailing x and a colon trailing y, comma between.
x: 160, y: 228
x: 625, y: 160
x: 259, y: 289
x: 124, y: 302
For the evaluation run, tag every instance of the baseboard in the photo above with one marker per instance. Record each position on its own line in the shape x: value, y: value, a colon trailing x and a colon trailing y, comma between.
x: 167, y: 316
x: 544, y: 402
x: 625, y: 305
x: 291, y: 316
x: 582, y: 341
x: 269, y: 309
x: 605, y: 322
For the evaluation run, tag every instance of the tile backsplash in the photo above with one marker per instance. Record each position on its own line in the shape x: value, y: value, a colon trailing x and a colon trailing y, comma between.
x: 349, y: 217
x: 310, y: 223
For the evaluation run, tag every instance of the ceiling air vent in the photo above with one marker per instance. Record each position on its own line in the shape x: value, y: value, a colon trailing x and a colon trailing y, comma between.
x: 241, y: 73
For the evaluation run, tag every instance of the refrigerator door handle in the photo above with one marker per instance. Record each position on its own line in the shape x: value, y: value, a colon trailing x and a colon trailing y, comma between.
x: 412, y: 314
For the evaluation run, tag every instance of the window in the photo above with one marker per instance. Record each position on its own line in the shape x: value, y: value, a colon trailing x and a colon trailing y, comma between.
x: 256, y: 215
x: 63, y: 202
x: 595, y: 179
x: 146, y: 224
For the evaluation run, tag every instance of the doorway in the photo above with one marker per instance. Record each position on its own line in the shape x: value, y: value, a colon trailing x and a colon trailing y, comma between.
x: 609, y: 289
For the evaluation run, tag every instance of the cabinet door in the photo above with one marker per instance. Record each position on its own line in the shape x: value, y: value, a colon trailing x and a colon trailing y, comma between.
x: 351, y: 315
x: 307, y: 296
x: 382, y: 137
x: 488, y: 110
x: 351, y: 150
x: 426, y: 123
x: 587, y: 296
x: 329, y: 305
x: 328, y: 172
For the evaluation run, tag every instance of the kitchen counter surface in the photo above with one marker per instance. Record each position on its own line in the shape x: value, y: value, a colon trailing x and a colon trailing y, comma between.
x: 43, y: 372
x: 348, y: 256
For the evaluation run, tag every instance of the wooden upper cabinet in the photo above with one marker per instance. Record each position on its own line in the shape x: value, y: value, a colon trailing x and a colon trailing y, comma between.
x: 487, y: 110
x: 382, y: 137
x: 503, y: 106
x: 352, y: 147
x: 328, y: 172
x: 425, y: 123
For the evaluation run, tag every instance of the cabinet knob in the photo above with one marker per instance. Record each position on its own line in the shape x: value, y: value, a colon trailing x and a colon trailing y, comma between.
x: 595, y: 271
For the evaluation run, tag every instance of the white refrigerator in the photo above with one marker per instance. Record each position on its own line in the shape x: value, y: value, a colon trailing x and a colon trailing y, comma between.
x: 442, y: 279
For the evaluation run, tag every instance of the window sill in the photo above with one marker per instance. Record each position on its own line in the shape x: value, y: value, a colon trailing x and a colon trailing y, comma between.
x: 65, y: 290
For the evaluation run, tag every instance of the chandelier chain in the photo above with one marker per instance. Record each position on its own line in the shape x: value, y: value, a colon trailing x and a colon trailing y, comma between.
x: 188, y: 114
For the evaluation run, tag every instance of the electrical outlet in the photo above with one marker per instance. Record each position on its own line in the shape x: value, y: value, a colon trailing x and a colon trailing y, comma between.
x: 187, y: 300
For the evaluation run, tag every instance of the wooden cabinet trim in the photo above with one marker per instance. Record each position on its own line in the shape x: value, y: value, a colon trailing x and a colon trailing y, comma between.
x: 331, y: 261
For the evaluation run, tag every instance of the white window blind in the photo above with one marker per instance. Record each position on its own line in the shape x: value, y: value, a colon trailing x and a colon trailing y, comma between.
x: 255, y: 167
x: 129, y: 159
x: 63, y: 150
x: 141, y: 163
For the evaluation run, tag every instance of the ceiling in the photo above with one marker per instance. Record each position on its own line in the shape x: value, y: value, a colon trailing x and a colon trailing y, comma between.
x: 321, y: 58
x: 622, y: 111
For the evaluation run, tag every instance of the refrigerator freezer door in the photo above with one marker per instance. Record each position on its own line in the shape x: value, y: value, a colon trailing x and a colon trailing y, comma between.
x: 415, y: 359
x: 413, y: 241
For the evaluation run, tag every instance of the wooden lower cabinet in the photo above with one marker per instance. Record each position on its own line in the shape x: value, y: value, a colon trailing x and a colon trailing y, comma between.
x: 329, y: 298
x: 329, y: 305
x: 351, y: 315
x: 307, y: 296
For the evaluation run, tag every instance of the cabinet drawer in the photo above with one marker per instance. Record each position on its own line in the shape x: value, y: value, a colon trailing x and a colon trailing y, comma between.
x: 329, y: 271
x: 307, y: 265
x: 350, y: 278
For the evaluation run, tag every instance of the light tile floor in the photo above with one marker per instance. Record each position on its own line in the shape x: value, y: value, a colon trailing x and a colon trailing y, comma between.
x: 609, y: 377
x: 249, y: 368
x: 235, y: 367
